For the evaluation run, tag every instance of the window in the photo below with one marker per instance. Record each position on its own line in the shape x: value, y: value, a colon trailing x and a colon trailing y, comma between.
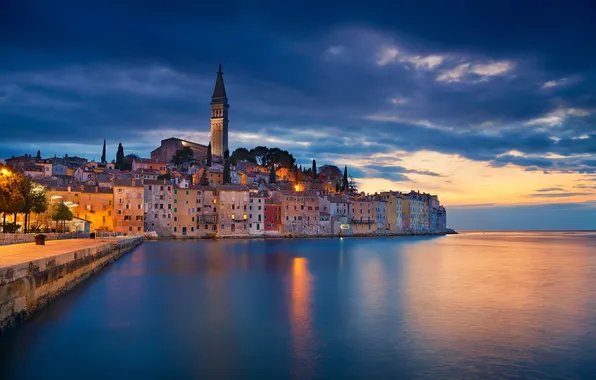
x: 192, y: 229
x: 161, y: 188
x: 119, y: 212
x: 175, y: 191
x: 175, y: 200
x: 193, y: 218
x: 150, y: 187
x: 187, y: 192
x: 175, y: 229
x: 175, y: 209
x: 175, y: 219
x: 259, y: 200
x: 161, y: 197
x: 168, y: 188
x: 139, y: 206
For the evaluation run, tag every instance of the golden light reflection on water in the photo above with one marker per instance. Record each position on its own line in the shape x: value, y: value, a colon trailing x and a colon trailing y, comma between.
x: 478, y: 295
x: 301, y: 318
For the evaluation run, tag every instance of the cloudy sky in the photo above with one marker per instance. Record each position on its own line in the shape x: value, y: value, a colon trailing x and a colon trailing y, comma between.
x: 490, y: 105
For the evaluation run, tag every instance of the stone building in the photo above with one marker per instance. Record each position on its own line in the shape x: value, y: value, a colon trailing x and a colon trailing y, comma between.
x: 184, y: 212
x: 393, y: 201
x: 300, y: 213
x: 168, y: 148
x: 158, y: 206
x: 206, y: 211
x: 272, y: 217
x: 232, y: 210
x: 128, y: 206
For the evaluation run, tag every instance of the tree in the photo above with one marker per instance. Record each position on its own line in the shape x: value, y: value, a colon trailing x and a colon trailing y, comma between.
x: 272, y: 176
x: 61, y: 214
x: 226, y: 170
x: 103, y: 152
x: 261, y: 155
x: 34, y: 200
x: 204, y: 181
x: 352, y: 187
x: 183, y: 156
x: 313, y: 172
x: 166, y: 176
x: 11, y: 198
x: 209, y: 154
x: 120, y: 157
x: 242, y: 154
x: 280, y: 158
x: 345, y: 186
x: 337, y: 187
x: 38, y: 157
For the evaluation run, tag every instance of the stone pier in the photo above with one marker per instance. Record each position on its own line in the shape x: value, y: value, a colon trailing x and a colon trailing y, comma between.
x: 32, y: 275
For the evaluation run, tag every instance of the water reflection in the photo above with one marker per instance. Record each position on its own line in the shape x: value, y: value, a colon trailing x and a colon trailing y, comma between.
x: 486, y: 298
x: 301, y: 319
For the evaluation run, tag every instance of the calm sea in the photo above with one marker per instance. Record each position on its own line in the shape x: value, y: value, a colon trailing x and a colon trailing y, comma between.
x: 515, y: 305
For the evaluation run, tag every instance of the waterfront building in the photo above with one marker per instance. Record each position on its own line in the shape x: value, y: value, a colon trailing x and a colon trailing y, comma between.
x: 158, y: 206
x: 364, y: 219
x: 415, y: 214
x: 324, y: 223
x: 128, y: 204
x: 381, y: 214
x: 256, y: 214
x: 232, y: 210
x: 300, y: 212
x: 184, y: 212
x: 272, y: 216
x: 206, y: 211
x: 442, y: 219
x: 425, y: 212
x: 91, y: 203
x: 219, y: 117
x: 393, y: 201
x: 434, y: 206
x: 340, y: 212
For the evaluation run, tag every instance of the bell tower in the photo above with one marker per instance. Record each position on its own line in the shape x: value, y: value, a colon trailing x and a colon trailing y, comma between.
x: 219, y: 117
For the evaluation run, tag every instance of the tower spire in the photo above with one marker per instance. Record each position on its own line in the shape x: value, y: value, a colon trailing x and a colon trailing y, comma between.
x: 219, y: 93
x: 219, y: 117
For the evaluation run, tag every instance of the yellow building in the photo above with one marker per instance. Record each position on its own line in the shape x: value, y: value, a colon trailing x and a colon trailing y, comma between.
x: 365, y: 215
x: 128, y: 212
x: 184, y: 212
x: 91, y: 203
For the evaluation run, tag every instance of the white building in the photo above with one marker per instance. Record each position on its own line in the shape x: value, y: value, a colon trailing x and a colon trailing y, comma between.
x: 158, y: 206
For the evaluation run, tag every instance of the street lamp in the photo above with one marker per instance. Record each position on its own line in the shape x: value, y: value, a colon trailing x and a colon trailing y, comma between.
x: 6, y: 172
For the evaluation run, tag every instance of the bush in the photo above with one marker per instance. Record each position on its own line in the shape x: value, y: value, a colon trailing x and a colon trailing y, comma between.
x: 11, y: 228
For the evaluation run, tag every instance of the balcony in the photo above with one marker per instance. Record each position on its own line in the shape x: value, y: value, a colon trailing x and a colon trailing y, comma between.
x: 358, y: 221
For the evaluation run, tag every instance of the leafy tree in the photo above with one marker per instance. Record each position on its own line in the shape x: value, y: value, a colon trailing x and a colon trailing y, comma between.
x: 204, y: 181
x: 103, y: 152
x: 183, y: 156
x: 313, y: 172
x: 61, y: 214
x: 11, y: 197
x: 38, y: 155
x: 209, y: 154
x: 337, y: 187
x: 272, y: 176
x: 226, y: 170
x: 242, y: 154
x: 34, y: 200
x: 261, y: 155
x: 166, y: 176
x: 280, y: 158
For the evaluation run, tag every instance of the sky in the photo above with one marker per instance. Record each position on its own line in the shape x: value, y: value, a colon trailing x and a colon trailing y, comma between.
x: 490, y: 105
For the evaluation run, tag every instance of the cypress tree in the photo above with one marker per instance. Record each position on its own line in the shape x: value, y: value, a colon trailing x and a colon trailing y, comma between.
x: 209, y: 154
x: 226, y: 171
x: 120, y: 157
x: 345, y: 183
x: 272, y: 176
x: 314, y: 169
x: 38, y: 155
x: 103, y: 152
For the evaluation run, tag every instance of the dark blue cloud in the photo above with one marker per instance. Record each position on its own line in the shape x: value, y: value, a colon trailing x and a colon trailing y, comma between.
x: 77, y: 72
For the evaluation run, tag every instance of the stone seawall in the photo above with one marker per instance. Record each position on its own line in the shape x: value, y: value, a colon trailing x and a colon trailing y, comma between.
x: 28, y: 286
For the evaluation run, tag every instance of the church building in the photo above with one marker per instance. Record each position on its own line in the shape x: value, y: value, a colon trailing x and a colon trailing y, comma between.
x: 219, y: 130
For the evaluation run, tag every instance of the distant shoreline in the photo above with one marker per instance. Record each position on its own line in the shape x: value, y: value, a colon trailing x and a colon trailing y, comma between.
x: 290, y: 237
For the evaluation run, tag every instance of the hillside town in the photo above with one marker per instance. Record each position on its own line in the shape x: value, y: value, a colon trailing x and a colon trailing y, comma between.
x: 186, y: 189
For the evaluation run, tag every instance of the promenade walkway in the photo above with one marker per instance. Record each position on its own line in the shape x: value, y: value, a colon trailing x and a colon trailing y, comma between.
x: 15, y: 254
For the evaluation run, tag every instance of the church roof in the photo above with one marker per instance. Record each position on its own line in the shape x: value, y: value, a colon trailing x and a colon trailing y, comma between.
x: 219, y: 93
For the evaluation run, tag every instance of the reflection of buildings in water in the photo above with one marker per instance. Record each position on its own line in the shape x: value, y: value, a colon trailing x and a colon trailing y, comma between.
x: 301, y: 319
x: 481, y: 297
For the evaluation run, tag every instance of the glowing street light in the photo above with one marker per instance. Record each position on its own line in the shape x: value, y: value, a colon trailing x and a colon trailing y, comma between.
x: 6, y: 172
